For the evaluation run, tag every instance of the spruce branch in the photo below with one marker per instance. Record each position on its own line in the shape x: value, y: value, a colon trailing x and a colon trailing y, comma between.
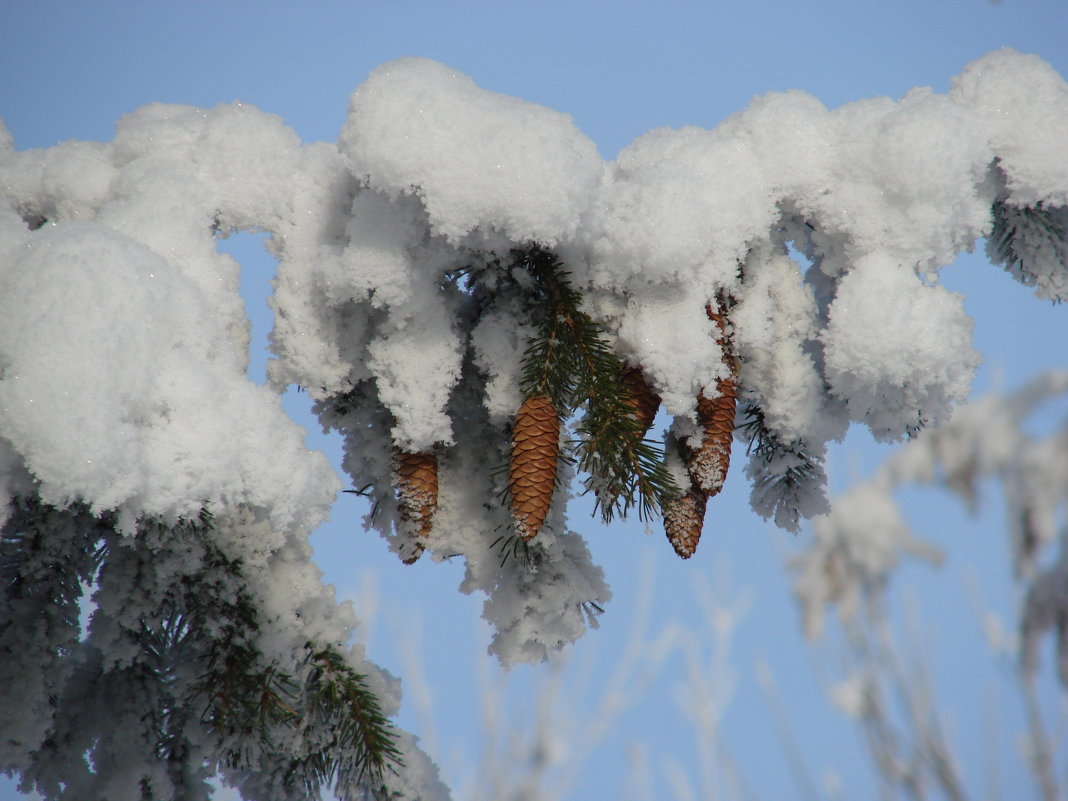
x: 570, y: 361
x: 339, y: 700
x: 1031, y: 243
x: 42, y: 573
x: 624, y: 468
x: 787, y: 478
x: 208, y: 616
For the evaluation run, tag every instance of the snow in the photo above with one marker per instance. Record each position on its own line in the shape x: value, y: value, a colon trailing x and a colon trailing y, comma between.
x: 119, y: 388
x: 772, y: 323
x: 477, y: 159
x: 1023, y: 105
x: 670, y: 338
x: 901, y: 362
x: 123, y: 338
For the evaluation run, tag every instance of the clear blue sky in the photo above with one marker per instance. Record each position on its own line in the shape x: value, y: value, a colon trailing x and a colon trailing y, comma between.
x: 70, y: 69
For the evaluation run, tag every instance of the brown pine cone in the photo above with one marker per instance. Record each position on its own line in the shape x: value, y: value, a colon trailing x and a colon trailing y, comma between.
x: 415, y: 478
x: 643, y: 398
x: 683, y: 518
x: 709, y: 463
x: 532, y: 469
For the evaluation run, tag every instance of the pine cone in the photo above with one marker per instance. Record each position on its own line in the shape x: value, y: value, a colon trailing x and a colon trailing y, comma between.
x: 683, y: 518
x: 709, y: 463
x: 415, y: 478
x: 532, y: 471
x: 643, y: 398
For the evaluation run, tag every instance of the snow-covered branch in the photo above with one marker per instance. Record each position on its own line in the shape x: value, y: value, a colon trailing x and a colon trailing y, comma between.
x: 405, y: 307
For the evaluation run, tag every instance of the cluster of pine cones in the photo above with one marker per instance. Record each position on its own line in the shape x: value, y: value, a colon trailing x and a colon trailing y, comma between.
x: 535, y: 455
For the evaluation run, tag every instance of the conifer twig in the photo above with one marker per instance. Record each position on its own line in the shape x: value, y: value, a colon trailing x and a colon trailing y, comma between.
x: 570, y: 362
x: 1031, y: 243
x: 787, y: 477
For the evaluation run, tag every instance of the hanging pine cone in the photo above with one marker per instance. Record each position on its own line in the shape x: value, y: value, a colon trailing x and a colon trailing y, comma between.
x: 532, y: 470
x: 643, y: 398
x: 683, y: 518
x: 709, y: 464
x: 415, y: 478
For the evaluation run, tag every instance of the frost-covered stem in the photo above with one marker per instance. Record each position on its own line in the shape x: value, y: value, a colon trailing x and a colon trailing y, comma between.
x: 709, y: 687
x: 1039, y: 750
x: 914, y: 689
x: 634, y: 671
x: 884, y: 744
x: 988, y: 439
x: 363, y: 741
x: 904, y: 759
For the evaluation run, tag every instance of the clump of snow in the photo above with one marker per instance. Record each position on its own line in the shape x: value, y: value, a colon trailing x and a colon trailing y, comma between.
x: 899, y: 363
x: 775, y: 324
x: 420, y: 779
x: 499, y: 340
x: 116, y: 392
x: 476, y: 158
x: 662, y: 216
x: 672, y: 339
x: 1023, y: 105
x: 907, y: 179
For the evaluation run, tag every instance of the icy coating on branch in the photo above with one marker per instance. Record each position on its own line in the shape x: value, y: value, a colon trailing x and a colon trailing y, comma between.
x: 401, y: 307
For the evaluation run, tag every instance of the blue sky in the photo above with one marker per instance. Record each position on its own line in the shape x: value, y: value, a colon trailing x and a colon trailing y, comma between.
x: 70, y: 69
